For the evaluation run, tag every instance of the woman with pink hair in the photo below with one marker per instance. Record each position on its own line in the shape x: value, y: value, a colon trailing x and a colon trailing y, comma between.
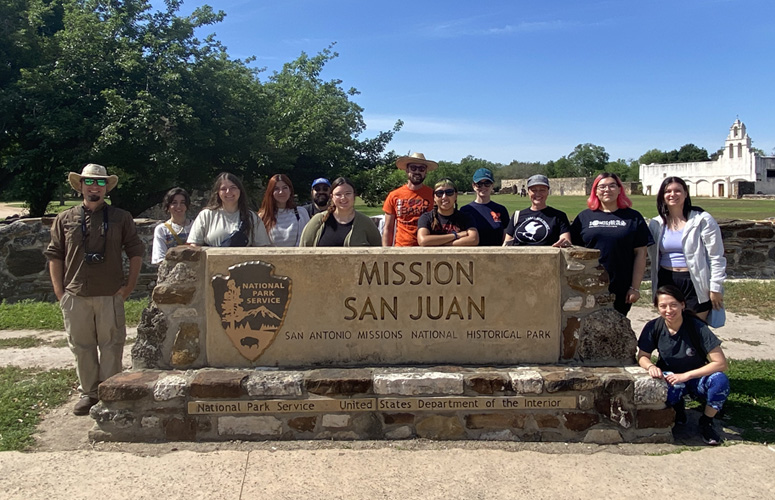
x: 620, y: 233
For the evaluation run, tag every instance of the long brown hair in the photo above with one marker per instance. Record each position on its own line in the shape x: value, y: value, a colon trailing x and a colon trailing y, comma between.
x: 245, y: 214
x: 268, y: 210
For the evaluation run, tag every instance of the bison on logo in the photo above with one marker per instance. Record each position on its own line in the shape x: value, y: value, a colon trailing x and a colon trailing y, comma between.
x: 252, y: 303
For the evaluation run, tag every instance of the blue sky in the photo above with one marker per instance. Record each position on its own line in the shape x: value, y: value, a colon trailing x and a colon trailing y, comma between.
x: 529, y: 80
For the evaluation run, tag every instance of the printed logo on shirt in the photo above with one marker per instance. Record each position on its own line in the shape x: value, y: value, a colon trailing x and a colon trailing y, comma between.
x: 607, y: 223
x: 690, y: 352
x: 413, y: 207
x: 496, y: 217
x: 532, y: 230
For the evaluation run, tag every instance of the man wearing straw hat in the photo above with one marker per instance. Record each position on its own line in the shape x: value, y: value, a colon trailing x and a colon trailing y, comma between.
x: 86, y: 268
x: 404, y: 206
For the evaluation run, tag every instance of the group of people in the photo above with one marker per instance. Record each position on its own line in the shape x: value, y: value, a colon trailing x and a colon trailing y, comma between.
x: 684, y: 243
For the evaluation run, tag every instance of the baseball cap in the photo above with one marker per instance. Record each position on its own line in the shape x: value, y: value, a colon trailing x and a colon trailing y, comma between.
x: 321, y: 180
x: 538, y: 180
x: 483, y: 174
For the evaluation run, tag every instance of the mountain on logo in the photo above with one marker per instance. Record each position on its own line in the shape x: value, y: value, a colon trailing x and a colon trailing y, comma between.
x: 264, y: 312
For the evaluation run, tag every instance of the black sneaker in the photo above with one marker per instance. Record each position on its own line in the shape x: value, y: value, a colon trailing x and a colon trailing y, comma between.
x: 709, y: 434
x: 680, y: 412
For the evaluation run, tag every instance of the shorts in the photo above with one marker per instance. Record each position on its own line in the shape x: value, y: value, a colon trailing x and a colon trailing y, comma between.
x: 683, y: 281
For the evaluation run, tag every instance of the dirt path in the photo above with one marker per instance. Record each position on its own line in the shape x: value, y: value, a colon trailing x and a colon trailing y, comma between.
x: 6, y: 211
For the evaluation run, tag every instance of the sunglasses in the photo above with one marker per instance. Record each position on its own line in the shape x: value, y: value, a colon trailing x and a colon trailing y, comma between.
x: 100, y: 182
x: 323, y: 188
x: 441, y: 192
x: 483, y: 184
x: 417, y: 168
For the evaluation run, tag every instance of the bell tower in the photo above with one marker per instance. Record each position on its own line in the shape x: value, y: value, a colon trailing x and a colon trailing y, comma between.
x: 738, y: 144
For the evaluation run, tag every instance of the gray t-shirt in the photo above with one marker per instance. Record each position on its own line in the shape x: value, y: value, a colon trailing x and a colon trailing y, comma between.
x: 213, y: 227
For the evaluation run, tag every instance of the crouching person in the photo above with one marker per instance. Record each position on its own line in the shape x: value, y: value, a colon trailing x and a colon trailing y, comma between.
x: 690, y: 359
x: 84, y: 259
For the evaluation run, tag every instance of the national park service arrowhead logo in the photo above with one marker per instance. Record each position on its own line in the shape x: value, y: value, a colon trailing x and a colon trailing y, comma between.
x: 252, y: 303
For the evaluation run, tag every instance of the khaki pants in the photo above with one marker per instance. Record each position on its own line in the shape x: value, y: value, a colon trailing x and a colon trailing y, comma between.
x: 94, y: 324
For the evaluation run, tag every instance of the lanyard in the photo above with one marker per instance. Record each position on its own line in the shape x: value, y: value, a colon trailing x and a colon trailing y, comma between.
x: 84, y: 231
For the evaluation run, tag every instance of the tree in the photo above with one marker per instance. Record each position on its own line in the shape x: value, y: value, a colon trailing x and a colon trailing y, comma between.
x: 117, y: 83
x: 691, y: 153
x: 652, y: 156
x: 313, y: 125
x: 588, y: 159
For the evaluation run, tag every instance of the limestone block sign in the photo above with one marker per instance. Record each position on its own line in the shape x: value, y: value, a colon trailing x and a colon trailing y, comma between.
x: 251, y: 303
x: 376, y: 307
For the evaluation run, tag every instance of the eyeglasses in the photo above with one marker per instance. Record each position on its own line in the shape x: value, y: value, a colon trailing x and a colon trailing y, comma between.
x: 417, y: 168
x: 226, y: 189
x: 322, y: 188
x: 483, y: 184
x: 608, y: 187
x: 441, y: 192
x: 100, y: 182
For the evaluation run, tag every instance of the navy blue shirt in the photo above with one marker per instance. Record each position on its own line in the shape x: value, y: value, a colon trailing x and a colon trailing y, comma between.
x: 490, y: 220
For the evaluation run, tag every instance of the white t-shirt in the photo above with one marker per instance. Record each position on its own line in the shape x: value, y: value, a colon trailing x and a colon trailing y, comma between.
x: 163, y: 239
x: 287, y: 231
x: 212, y: 227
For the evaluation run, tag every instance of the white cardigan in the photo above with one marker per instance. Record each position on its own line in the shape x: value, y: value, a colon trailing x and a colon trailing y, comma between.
x: 704, y: 251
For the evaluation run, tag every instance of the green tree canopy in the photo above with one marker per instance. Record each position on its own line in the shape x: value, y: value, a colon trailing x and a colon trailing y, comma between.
x: 132, y: 88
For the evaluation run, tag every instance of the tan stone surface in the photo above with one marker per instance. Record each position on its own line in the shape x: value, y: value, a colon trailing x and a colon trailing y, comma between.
x: 388, y: 472
x: 360, y: 306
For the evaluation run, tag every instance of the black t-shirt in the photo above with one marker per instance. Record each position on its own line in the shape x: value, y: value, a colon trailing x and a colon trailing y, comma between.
x: 541, y: 227
x: 677, y: 353
x: 334, y: 233
x: 616, y: 234
x: 490, y: 220
x: 456, y: 222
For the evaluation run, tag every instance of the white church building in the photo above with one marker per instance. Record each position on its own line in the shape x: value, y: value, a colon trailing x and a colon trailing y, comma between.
x: 737, y: 171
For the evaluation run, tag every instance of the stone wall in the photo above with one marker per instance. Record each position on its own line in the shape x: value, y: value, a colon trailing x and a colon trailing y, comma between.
x: 750, y: 251
x: 591, y: 391
x: 576, y: 186
x: 526, y: 403
x: 23, y: 268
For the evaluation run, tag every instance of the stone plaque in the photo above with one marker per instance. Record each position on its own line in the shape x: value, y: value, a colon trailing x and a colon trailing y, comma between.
x: 376, y: 307
x: 281, y: 406
x: 437, y: 404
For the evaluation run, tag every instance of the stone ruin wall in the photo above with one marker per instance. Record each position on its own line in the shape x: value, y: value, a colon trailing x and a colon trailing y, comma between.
x: 571, y: 186
x: 750, y: 252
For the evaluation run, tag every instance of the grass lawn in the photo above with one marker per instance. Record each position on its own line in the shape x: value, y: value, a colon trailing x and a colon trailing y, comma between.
x: 720, y: 208
x: 24, y: 395
x: 33, y: 315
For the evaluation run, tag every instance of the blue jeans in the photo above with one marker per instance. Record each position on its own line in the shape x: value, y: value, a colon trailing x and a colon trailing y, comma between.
x: 713, y: 389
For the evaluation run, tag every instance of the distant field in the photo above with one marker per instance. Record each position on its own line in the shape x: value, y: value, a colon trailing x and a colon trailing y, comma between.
x: 720, y: 208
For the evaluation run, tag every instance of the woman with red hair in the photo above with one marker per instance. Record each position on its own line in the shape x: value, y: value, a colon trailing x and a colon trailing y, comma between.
x: 620, y: 233
x: 283, y: 220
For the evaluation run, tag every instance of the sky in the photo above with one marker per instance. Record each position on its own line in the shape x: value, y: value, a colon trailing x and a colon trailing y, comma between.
x: 529, y: 80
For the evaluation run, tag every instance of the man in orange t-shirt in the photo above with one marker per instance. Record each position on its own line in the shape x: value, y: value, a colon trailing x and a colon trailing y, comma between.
x: 404, y: 206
